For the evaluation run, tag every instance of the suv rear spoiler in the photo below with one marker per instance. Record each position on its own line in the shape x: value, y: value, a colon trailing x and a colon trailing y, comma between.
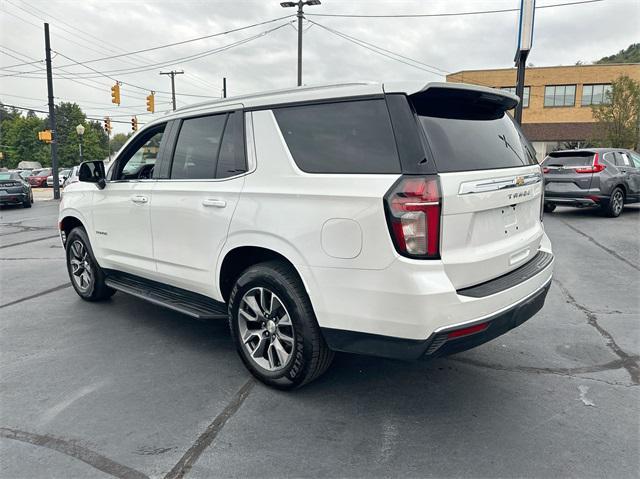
x: 458, y: 100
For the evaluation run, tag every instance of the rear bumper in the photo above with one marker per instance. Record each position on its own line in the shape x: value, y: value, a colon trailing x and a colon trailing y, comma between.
x: 401, y: 307
x: 441, y: 342
x: 575, y: 201
x: 12, y: 198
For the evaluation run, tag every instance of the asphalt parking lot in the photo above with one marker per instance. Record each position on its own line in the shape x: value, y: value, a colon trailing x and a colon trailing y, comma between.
x: 127, y: 389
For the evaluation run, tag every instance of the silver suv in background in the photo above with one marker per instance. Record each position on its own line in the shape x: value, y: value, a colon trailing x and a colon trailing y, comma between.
x: 604, y: 177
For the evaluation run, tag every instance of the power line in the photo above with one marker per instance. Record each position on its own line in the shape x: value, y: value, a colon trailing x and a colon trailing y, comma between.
x: 144, y: 50
x: 86, y: 116
x: 167, y: 63
x: 447, y: 14
x: 379, y: 50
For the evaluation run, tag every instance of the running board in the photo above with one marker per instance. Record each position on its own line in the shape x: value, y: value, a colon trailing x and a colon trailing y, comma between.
x: 177, y: 299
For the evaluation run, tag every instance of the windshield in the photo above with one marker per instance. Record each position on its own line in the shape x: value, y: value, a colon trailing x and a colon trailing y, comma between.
x: 569, y: 159
x: 44, y: 173
x: 8, y: 176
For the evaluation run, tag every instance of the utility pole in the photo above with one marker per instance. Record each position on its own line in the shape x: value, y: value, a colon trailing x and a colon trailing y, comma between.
x: 224, y: 87
x: 173, y: 74
x: 52, y: 115
x: 525, y: 41
x: 300, y: 14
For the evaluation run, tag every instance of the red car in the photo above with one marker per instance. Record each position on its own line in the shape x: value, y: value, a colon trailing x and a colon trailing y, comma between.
x: 39, y: 178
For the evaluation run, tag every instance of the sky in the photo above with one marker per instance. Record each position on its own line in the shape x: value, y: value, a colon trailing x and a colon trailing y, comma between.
x: 264, y: 57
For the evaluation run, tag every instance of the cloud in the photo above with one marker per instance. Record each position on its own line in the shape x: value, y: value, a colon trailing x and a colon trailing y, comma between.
x: 562, y: 36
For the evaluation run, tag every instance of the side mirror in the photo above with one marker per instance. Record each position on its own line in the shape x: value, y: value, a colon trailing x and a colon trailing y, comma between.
x: 93, y: 172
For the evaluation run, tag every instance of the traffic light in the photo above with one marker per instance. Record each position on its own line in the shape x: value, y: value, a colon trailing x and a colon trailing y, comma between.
x: 115, y: 94
x: 45, y: 136
x: 107, y: 125
x: 151, y: 103
x: 134, y: 124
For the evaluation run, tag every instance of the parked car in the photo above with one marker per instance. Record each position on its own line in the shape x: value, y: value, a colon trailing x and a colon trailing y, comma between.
x: 72, y: 176
x: 25, y: 174
x: 62, y: 176
x: 359, y: 217
x: 14, y: 190
x: 38, y: 178
x: 607, y: 178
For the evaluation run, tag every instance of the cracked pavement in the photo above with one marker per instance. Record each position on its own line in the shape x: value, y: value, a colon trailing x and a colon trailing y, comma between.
x: 127, y: 389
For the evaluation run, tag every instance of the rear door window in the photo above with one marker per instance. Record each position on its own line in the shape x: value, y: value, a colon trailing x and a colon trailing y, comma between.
x: 196, y: 152
x: 232, y: 158
x: 342, y: 137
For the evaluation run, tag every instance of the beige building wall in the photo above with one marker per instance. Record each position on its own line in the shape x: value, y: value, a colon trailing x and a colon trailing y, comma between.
x: 538, y: 77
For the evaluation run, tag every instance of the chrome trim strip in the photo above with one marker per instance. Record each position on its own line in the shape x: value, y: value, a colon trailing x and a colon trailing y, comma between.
x: 495, y: 184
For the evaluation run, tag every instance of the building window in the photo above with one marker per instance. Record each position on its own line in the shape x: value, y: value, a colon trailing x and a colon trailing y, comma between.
x: 512, y: 89
x: 559, y: 95
x: 595, y: 94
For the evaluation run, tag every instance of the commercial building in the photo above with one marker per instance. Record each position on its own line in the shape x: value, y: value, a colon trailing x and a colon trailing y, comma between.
x: 557, y: 100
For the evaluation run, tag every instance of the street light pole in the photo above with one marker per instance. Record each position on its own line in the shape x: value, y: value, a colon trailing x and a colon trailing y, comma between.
x: 300, y: 14
x: 80, y: 132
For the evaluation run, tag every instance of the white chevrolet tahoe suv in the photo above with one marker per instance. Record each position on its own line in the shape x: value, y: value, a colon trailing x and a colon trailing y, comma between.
x: 397, y: 220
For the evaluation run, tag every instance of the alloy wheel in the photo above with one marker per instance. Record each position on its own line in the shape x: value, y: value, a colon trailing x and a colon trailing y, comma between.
x: 80, y: 266
x: 265, y: 329
x: 618, y: 202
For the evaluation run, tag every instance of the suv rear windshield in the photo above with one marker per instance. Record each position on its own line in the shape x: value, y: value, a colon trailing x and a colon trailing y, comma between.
x: 573, y: 158
x: 470, y: 130
x: 341, y: 137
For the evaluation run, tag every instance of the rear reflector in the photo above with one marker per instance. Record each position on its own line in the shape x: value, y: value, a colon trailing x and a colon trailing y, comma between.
x: 413, y: 214
x: 476, y: 328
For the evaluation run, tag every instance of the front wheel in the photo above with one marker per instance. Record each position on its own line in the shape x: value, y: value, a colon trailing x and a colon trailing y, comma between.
x: 274, y: 328
x: 27, y: 202
x: 613, y: 208
x: 549, y: 207
x: 87, y: 278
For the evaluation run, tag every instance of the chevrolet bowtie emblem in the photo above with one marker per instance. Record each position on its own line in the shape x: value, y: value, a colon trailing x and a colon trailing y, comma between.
x: 519, y: 180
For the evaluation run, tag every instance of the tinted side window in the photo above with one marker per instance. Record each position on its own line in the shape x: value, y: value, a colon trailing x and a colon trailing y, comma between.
x: 343, y: 137
x: 197, y: 147
x: 232, y: 159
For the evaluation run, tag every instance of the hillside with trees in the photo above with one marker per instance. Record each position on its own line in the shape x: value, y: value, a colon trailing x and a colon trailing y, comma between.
x: 631, y: 54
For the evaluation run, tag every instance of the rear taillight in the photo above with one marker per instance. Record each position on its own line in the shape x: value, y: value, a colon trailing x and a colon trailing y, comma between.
x: 545, y: 170
x: 413, y: 213
x: 596, y: 167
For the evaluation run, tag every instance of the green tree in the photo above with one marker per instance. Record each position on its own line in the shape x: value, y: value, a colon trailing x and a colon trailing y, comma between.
x: 95, y: 147
x: 618, y: 117
x: 19, y: 137
x: 118, y: 140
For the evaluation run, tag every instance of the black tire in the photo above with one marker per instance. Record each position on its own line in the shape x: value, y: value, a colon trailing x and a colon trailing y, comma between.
x: 549, y: 207
x: 309, y: 356
x: 27, y: 203
x: 95, y: 288
x: 614, y: 206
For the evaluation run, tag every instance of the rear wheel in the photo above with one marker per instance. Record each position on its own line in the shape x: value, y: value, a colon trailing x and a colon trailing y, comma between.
x: 274, y: 327
x: 615, y: 205
x: 549, y: 207
x: 87, y: 278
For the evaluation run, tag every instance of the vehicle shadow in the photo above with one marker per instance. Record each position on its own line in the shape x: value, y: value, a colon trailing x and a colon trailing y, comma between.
x: 567, y: 212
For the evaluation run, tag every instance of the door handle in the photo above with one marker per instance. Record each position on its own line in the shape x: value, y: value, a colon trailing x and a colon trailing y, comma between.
x: 214, y: 202
x: 139, y: 199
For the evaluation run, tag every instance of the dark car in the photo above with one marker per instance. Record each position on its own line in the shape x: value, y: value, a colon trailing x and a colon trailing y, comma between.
x: 39, y: 178
x: 14, y: 190
x: 605, y: 177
